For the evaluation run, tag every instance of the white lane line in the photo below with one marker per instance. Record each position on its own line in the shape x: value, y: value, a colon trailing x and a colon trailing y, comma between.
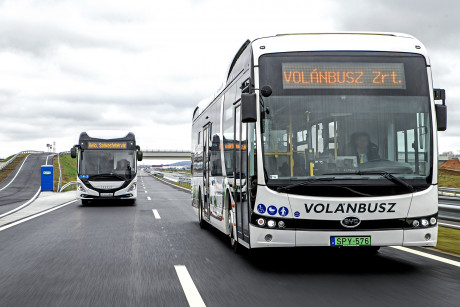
x: 156, y: 214
x: 22, y: 206
x: 148, y: 198
x: 191, y: 292
x: 145, y: 191
x: 46, y: 163
x: 426, y: 255
x: 449, y: 225
x: 16, y: 174
x: 35, y: 215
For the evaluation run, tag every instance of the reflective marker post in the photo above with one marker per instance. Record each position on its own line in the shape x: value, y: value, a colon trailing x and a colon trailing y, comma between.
x: 47, y: 177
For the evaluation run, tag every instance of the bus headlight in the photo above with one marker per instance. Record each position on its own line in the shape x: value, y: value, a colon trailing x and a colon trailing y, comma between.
x: 81, y: 188
x: 281, y: 224
x: 415, y: 223
x: 433, y: 221
x: 424, y: 222
x: 132, y: 187
x: 271, y: 224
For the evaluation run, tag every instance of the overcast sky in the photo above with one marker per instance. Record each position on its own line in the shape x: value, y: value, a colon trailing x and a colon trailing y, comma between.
x: 72, y: 66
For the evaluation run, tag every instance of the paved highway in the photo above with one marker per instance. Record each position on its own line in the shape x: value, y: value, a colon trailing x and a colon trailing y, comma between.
x: 121, y: 255
x: 17, y: 190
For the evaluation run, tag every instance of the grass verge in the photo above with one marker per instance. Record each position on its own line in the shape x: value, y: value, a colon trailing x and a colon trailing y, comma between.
x: 69, y: 170
x: 449, y: 240
x: 449, y: 179
x: 4, y: 173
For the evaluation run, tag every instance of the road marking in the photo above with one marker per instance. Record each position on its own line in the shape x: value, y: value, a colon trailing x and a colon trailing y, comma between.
x: 191, y: 292
x: 145, y: 191
x: 148, y: 198
x: 15, y: 175
x: 156, y: 214
x: 449, y: 225
x: 22, y: 206
x: 35, y: 215
x: 426, y: 255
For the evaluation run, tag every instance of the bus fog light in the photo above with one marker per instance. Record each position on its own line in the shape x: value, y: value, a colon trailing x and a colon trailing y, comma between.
x: 415, y: 223
x: 261, y: 222
x: 271, y: 223
x: 433, y: 221
x: 268, y: 238
x: 424, y: 222
x: 427, y: 236
x: 281, y: 224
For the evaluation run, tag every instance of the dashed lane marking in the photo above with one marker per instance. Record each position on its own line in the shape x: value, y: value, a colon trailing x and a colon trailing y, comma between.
x: 148, y: 198
x: 156, y: 214
x: 191, y: 292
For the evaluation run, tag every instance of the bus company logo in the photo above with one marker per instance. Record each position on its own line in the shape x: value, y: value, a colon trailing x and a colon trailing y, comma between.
x: 351, y: 208
x: 350, y: 222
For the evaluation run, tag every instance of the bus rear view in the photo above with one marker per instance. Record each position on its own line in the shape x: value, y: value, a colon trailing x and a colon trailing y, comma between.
x: 107, y: 166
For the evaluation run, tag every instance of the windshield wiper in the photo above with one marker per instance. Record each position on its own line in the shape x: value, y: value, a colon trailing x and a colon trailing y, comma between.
x: 108, y: 175
x: 384, y: 174
x: 302, y: 183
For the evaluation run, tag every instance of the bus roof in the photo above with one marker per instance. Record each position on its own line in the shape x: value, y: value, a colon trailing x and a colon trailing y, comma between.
x: 323, y: 41
x: 107, y: 134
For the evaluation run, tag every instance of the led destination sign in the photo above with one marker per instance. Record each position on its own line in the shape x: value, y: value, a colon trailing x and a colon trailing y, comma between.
x: 343, y: 75
x: 107, y: 145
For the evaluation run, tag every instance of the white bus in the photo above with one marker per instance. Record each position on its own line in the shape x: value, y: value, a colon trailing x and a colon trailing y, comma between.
x: 325, y: 139
x: 107, y: 166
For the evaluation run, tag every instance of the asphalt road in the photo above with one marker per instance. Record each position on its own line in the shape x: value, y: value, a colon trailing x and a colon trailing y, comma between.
x: 24, y: 186
x: 121, y: 255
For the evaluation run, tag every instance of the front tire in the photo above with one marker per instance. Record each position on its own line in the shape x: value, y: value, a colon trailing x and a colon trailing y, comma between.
x: 200, y: 213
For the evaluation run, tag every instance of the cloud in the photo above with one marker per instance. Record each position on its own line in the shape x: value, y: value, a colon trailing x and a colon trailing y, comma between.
x: 69, y: 66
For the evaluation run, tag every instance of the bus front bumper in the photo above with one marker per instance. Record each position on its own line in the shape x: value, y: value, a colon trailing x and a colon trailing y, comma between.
x: 264, y: 237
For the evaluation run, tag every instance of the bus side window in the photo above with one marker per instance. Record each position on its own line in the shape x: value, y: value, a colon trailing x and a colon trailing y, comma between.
x: 228, y: 126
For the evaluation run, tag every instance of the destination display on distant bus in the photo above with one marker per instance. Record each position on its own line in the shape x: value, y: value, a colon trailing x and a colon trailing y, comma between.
x: 107, y: 145
x: 340, y: 75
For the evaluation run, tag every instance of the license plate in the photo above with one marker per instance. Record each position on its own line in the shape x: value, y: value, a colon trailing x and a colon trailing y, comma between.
x: 351, y: 241
x: 106, y: 194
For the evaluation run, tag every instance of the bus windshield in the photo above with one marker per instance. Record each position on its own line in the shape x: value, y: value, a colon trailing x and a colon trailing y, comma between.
x: 109, y: 163
x: 325, y: 129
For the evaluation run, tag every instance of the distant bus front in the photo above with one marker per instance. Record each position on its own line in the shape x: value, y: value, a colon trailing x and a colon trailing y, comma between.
x: 107, y: 166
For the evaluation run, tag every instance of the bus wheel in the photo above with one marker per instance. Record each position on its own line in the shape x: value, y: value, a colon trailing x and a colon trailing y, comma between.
x: 233, y: 241
x: 200, y: 213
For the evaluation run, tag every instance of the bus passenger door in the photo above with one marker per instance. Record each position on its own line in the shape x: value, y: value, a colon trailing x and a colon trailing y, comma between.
x: 240, y: 170
x: 206, y: 170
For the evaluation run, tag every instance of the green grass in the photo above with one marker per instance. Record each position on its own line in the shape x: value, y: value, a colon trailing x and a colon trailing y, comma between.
x: 449, y: 179
x: 4, y: 173
x: 449, y: 240
x: 69, y: 170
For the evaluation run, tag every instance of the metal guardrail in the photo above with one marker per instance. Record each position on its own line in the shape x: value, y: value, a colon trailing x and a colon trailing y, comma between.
x: 60, y: 168
x: 16, y: 155
x: 449, y: 190
x: 65, y: 186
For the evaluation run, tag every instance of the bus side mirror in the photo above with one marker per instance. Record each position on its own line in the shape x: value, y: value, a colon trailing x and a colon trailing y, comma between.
x: 248, y: 108
x: 441, y: 109
x: 140, y: 155
x: 73, y: 152
x: 441, y: 116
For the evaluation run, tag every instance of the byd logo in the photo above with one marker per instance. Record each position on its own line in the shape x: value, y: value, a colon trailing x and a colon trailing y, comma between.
x: 350, y: 222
